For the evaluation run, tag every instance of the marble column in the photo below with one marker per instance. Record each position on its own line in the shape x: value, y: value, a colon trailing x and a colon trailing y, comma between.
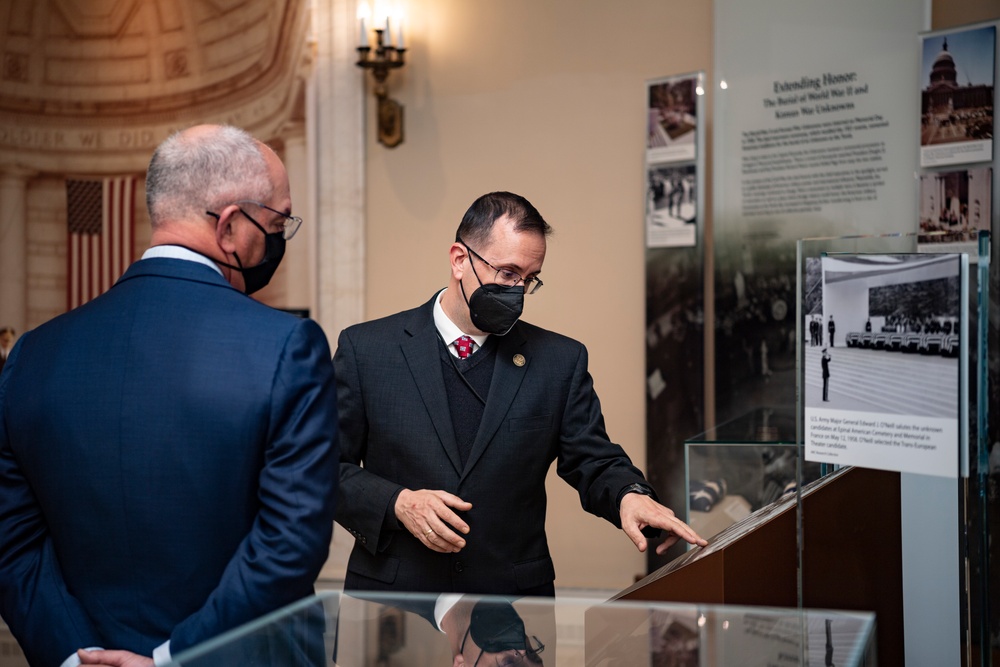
x: 13, y: 248
x: 336, y: 147
x: 335, y: 139
x: 299, y: 276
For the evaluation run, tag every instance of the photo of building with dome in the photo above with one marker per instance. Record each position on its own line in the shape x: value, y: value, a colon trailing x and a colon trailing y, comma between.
x: 957, y: 104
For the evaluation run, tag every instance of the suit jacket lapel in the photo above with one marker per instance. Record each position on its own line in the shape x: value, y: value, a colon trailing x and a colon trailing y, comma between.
x: 423, y: 357
x: 507, y: 377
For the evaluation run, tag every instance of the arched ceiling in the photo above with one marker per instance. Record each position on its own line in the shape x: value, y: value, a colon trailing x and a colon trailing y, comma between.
x: 74, y: 65
x: 83, y: 57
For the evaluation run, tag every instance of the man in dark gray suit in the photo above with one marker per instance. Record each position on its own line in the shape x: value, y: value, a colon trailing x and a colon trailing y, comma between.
x: 453, y: 412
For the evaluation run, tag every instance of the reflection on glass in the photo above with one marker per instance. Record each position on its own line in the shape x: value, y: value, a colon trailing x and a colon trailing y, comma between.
x: 417, y: 630
x: 478, y: 630
x: 498, y: 631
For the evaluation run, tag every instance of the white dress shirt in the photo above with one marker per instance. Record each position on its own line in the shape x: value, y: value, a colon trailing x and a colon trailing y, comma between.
x: 450, y: 332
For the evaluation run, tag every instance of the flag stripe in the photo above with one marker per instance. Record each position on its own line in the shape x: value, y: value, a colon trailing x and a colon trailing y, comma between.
x: 115, y: 241
x: 128, y: 236
x: 104, y: 251
x: 72, y: 257
x: 100, y: 219
x: 128, y: 226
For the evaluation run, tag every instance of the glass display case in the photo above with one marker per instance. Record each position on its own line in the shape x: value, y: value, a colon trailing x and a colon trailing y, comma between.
x: 927, y: 304
x: 741, y: 466
x: 380, y: 630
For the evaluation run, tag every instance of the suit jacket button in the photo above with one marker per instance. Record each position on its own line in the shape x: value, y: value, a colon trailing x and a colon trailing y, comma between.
x: 364, y: 540
x: 458, y: 566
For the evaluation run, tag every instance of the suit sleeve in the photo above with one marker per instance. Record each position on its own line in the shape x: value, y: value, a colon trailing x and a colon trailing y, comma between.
x: 365, y: 499
x: 46, y: 619
x: 596, y: 467
x: 279, y: 560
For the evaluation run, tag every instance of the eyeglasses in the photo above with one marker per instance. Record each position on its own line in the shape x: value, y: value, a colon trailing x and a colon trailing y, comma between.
x: 289, y: 225
x: 510, y: 657
x: 507, y: 277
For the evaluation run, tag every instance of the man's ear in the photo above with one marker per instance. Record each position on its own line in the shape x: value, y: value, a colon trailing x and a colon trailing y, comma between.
x: 224, y: 231
x: 458, y: 256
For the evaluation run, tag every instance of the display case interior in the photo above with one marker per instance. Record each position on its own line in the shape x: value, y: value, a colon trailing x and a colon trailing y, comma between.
x: 738, y: 467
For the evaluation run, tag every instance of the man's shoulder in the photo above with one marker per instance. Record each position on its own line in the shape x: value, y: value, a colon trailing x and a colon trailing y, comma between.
x: 206, y: 298
x: 535, y: 334
x: 394, y: 324
x: 388, y: 321
x: 282, y: 325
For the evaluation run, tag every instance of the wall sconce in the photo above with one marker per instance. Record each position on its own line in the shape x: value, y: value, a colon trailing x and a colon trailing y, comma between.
x: 387, y: 55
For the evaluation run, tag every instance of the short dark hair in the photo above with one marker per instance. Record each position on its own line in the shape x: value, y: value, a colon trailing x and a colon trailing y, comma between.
x: 9, y: 330
x: 477, y: 223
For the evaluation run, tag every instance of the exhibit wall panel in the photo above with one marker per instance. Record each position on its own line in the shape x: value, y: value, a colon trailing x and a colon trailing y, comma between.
x: 676, y: 169
x: 818, y: 135
x: 814, y: 136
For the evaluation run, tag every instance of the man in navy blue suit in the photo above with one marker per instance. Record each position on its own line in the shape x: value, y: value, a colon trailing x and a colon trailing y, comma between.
x: 169, y: 451
x: 452, y: 414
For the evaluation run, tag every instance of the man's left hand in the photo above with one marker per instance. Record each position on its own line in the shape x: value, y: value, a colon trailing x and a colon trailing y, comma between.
x: 114, y: 658
x: 639, y: 511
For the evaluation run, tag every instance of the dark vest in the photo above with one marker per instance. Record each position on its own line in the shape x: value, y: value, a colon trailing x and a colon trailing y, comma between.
x: 463, y: 402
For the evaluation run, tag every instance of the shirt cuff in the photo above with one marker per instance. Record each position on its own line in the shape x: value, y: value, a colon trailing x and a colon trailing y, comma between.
x: 161, y: 654
x: 74, y: 660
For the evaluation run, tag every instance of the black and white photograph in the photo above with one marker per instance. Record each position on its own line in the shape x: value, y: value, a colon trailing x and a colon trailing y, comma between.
x: 954, y: 207
x: 673, y: 638
x: 671, y: 205
x: 956, y: 106
x: 672, y: 118
x: 882, y: 360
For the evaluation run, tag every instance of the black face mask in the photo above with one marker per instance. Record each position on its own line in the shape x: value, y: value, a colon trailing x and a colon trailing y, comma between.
x: 496, y: 627
x: 494, y: 308
x: 257, y: 277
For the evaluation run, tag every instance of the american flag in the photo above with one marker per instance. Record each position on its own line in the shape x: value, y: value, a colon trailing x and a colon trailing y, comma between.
x: 100, y: 217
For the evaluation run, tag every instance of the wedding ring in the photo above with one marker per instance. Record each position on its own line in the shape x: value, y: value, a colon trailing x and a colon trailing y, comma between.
x: 429, y: 532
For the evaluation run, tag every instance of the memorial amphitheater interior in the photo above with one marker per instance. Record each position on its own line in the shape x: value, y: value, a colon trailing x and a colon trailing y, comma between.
x: 545, y: 99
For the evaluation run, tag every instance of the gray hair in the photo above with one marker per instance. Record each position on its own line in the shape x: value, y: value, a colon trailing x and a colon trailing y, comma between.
x: 194, y: 172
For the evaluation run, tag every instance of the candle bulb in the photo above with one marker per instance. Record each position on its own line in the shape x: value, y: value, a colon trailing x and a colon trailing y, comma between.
x: 386, y: 35
x: 397, y: 23
x: 364, y: 11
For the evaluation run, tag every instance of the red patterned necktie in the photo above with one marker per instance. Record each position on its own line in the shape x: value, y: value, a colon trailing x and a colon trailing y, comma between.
x: 464, y: 346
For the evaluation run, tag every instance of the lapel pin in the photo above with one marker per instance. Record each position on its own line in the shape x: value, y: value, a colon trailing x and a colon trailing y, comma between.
x: 518, y: 360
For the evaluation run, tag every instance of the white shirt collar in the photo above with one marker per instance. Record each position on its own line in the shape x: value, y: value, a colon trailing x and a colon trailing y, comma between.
x: 444, y: 604
x: 449, y: 331
x: 179, y: 252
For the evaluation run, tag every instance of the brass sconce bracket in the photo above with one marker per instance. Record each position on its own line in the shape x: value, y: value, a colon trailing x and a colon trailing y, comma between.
x: 390, y: 112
